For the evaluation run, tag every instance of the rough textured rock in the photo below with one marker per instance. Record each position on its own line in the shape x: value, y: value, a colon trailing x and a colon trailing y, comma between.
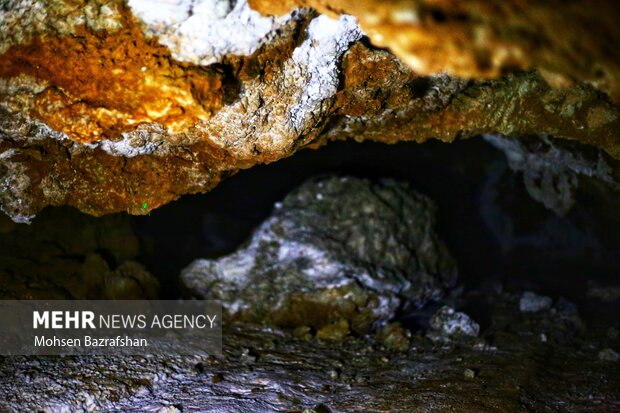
x: 450, y: 323
x: 268, y: 370
x: 127, y: 106
x: 482, y: 39
x: 552, y: 169
x: 67, y: 255
x: 336, y: 254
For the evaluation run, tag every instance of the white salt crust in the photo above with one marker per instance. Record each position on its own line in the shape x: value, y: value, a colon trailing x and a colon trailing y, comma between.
x: 316, y: 63
x: 204, y: 31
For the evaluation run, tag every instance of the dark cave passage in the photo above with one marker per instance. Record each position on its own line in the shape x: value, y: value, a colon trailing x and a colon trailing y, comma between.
x: 499, y: 236
x: 493, y: 228
x: 496, y: 232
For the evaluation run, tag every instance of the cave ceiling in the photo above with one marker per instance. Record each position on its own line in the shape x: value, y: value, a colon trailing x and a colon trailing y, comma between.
x: 126, y: 106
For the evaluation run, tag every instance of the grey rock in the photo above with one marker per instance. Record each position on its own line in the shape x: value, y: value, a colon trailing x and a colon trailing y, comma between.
x: 552, y: 168
x: 608, y: 354
x: 469, y: 373
x: 450, y: 323
x: 335, y: 248
x: 532, y: 303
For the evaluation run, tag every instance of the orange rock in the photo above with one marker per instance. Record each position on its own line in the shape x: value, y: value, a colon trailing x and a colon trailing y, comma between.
x: 485, y: 39
x: 104, y: 119
x: 105, y: 83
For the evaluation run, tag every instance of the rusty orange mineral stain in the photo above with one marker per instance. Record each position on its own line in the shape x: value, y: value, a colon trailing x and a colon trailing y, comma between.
x: 104, y: 83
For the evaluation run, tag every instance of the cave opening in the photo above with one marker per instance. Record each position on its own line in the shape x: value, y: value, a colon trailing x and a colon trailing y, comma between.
x: 499, y: 236
x: 497, y: 233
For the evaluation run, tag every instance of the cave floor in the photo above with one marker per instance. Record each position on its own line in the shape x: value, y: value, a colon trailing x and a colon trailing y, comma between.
x: 545, y: 362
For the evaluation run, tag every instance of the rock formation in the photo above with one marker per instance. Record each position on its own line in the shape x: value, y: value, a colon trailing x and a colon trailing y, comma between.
x: 125, y: 106
x: 481, y: 39
x: 336, y: 250
x: 552, y: 169
x: 67, y: 255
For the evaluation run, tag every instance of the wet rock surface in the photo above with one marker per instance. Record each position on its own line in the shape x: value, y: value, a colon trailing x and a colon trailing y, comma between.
x: 267, y: 370
x: 343, y: 299
x: 336, y: 251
